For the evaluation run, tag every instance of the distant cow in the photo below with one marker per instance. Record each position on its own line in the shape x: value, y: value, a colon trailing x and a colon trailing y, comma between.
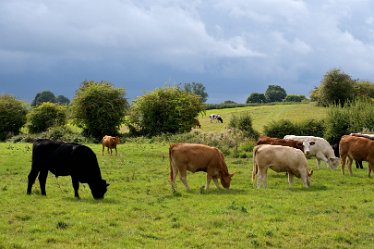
x: 356, y: 148
x: 110, y: 142
x: 64, y: 159
x: 197, y: 123
x: 280, y: 159
x: 216, y: 117
x: 280, y: 141
x: 198, y: 157
x: 319, y: 148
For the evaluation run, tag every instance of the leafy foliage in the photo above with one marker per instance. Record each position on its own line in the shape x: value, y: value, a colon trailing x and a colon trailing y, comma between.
x: 309, y: 127
x: 336, y: 88
x: 164, y: 110
x: 275, y: 93
x: 294, y: 98
x: 99, y: 108
x: 196, y: 88
x: 48, y: 96
x: 244, y: 124
x: 355, y: 117
x: 12, y: 116
x: 256, y: 98
x: 44, y: 116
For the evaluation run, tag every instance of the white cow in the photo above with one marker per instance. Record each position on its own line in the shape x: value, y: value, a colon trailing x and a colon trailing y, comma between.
x: 319, y: 148
x: 280, y: 159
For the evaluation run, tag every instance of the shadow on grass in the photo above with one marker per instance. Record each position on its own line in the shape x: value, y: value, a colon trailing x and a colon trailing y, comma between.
x: 313, y: 188
x: 92, y: 200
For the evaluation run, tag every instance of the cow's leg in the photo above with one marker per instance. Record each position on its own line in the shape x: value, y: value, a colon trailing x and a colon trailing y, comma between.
x: 32, y: 176
x: 290, y: 179
x: 370, y: 168
x: 102, y: 151
x: 208, y: 179
x: 75, y: 183
x: 349, y: 166
x: 343, y: 160
x: 262, y: 179
x: 321, y: 157
x: 215, y: 180
x: 42, y: 180
x: 183, y: 177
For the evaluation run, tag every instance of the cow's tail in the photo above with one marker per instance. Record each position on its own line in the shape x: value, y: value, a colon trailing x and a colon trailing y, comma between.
x: 171, y: 177
x: 255, y: 166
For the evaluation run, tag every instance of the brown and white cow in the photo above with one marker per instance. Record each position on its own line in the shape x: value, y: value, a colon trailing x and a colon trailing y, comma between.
x: 356, y: 148
x: 198, y: 157
x: 110, y: 142
x: 280, y: 159
x: 280, y: 141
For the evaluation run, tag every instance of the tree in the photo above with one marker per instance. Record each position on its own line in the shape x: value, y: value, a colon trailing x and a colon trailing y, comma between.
x: 44, y: 116
x: 256, y: 98
x: 275, y: 93
x: 164, y: 110
x: 12, y: 116
x: 99, y: 108
x: 196, y: 88
x: 44, y: 96
x: 62, y: 100
x: 364, y: 88
x: 336, y: 88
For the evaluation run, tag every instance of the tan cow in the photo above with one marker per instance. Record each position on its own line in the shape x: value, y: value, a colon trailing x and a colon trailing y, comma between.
x: 110, y: 142
x: 280, y: 159
x: 198, y: 157
x: 356, y: 148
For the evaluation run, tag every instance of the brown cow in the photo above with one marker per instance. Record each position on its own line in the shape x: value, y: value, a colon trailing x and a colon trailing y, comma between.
x: 198, y: 157
x: 280, y: 141
x: 356, y: 148
x: 197, y: 123
x: 111, y: 143
x: 280, y: 159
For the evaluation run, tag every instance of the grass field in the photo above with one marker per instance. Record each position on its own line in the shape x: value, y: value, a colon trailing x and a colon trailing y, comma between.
x: 140, y: 211
x: 264, y: 114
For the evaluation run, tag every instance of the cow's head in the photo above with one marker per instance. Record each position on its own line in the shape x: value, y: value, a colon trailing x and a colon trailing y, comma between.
x: 333, y: 162
x: 226, y: 180
x: 98, y: 188
x: 307, y: 147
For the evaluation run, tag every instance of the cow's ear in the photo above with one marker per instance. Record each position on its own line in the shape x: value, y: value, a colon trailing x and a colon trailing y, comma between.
x: 231, y: 175
x: 107, y: 184
x: 310, y: 173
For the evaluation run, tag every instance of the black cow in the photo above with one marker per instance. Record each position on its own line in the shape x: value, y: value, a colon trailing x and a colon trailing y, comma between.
x: 64, y: 159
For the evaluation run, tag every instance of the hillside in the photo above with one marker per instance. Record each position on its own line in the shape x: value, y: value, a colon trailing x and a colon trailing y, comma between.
x: 263, y: 114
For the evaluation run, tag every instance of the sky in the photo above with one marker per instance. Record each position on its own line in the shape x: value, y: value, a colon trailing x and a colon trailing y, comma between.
x: 232, y: 47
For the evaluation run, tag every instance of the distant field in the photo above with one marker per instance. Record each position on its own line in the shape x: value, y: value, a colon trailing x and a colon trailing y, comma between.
x: 263, y: 114
x: 140, y: 211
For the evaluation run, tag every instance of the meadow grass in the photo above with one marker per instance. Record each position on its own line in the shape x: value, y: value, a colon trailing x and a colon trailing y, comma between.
x: 263, y: 114
x: 140, y: 211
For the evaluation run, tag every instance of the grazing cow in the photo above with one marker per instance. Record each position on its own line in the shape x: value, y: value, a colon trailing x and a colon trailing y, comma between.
x: 319, y: 148
x: 356, y: 148
x: 280, y: 159
x: 216, y: 117
x: 110, y: 142
x: 335, y: 147
x: 198, y: 157
x: 280, y: 141
x: 64, y: 159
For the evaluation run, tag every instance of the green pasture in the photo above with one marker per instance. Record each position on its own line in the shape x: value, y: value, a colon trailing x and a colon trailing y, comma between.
x: 264, y: 114
x: 140, y: 211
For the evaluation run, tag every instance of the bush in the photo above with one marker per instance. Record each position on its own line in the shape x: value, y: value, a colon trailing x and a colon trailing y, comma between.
x: 45, y: 116
x: 355, y: 117
x: 99, y: 108
x: 284, y: 127
x: 294, y: 98
x: 244, y: 124
x: 12, y: 116
x: 164, y: 110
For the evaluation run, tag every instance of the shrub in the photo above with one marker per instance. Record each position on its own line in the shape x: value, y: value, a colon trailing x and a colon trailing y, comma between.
x: 294, y: 98
x: 244, y: 124
x: 99, y: 108
x: 355, y: 117
x: 46, y: 115
x: 284, y: 127
x: 12, y: 116
x: 164, y: 110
